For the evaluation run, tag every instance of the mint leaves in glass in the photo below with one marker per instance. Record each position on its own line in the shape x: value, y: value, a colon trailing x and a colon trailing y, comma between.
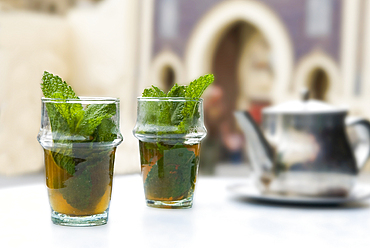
x: 170, y: 128
x: 79, y: 136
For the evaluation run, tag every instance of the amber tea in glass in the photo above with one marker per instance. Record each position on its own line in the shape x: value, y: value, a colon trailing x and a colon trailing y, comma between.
x: 66, y: 195
x: 79, y: 158
x: 169, y: 172
x: 169, y: 149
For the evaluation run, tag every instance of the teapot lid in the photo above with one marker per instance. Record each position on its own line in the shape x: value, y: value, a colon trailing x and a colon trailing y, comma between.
x: 304, y: 106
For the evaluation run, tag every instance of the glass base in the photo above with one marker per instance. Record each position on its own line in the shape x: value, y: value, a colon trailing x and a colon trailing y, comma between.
x: 90, y: 220
x: 185, y: 203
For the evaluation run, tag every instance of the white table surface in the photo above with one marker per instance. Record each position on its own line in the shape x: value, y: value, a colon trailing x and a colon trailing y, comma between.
x: 217, y: 219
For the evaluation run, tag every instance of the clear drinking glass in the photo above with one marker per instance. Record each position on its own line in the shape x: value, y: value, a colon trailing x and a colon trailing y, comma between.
x: 79, y: 156
x: 170, y: 131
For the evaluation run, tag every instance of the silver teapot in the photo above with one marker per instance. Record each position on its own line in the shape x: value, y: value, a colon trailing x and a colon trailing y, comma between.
x: 306, y: 148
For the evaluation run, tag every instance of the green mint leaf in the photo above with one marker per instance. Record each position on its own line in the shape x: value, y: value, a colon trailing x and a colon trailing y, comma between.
x: 160, y: 148
x: 53, y: 84
x: 72, y: 113
x: 106, y: 132
x: 93, y: 116
x: 54, y: 87
x: 158, y: 91
x: 64, y: 158
x: 180, y: 114
x: 194, y: 90
x: 62, y: 118
x: 198, y: 86
x: 85, y: 189
x: 173, y: 175
x: 148, y: 93
x: 176, y: 108
x: 177, y: 91
x: 153, y: 108
x: 153, y: 92
x: 59, y: 125
x: 77, y: 190
x: 177, y: 113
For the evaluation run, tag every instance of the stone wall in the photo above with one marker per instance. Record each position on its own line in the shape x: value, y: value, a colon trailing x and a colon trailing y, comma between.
x: 29, y: 44
x: 93, y: 49
x: 291, y: 12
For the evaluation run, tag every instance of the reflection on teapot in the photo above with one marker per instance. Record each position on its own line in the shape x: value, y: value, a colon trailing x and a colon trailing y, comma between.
x: 304, y: 148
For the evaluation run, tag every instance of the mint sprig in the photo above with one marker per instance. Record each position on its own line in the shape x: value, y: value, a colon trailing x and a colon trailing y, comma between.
x: 55, y: 87
x: 198, y: 86
x: 154, y: 92
x: 93, y: 116
x: 72, y: 123
x: 180, y: 114
x: 194, y: 90
x: 177, y: 91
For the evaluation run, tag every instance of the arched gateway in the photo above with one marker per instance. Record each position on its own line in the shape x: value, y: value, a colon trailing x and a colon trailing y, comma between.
x: 212, y: 26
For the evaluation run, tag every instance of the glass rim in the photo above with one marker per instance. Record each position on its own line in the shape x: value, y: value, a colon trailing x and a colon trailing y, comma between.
x: 82, y: 99
x: 170, y: 99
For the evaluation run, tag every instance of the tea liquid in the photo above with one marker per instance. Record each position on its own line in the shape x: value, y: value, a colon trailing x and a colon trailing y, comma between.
x: 169, y: 171
x: 88, y: 190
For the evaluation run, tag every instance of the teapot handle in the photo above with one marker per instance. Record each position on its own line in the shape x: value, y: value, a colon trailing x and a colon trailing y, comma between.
x: 358, y: 130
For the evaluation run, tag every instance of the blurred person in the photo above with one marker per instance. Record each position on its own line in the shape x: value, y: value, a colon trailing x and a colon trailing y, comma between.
x: 232, y: 143
x: 214, y: 114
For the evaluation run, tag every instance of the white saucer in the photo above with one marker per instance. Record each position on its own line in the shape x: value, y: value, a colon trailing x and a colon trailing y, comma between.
x: 247, y: 190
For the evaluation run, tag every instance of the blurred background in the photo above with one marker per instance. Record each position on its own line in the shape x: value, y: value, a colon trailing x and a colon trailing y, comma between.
x: 262, y: 52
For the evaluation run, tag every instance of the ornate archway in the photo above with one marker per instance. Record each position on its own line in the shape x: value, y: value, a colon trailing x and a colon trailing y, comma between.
x: 318, y: 84
x: 212, y: 26
x: 163, y: 63
x: 311, y: 63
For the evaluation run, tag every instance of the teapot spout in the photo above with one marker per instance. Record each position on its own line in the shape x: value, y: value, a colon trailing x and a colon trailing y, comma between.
x: 259, y: 151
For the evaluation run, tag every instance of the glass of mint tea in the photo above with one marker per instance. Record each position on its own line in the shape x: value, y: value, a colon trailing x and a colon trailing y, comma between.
x: 169, y: 130
x: 79, y: 137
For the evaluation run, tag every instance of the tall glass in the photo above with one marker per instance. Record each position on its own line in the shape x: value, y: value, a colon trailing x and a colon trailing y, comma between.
x: 79, y: 138
x: 169, y: 148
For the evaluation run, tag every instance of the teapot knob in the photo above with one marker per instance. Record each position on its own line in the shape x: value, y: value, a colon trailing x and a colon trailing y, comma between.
x: 305, y: 94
